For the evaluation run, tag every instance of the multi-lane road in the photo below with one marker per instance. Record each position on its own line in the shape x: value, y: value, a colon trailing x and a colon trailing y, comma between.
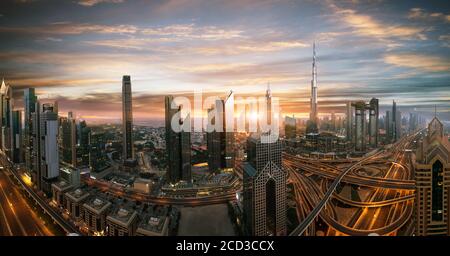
x: 388, y: 207
x: 17, y: 217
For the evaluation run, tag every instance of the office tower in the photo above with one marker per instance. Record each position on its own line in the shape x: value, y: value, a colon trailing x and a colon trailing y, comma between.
x: 220, y: 144
x: 349, y: 121
x: 16, y: 141
x: 68, y: 140
x: 97, y: 156
x: 388, y: 126
x: 213, y: 146
x: 127, y: 119
x: 48, y: 158
x: 396, y: 123
x: 413, y: 122
x: 432, y: 172
x: 29, y: 101
x: 83, y: 143
x: 264, y: 189
x: 333, y: 122
x: 373, y: 122
x: 178, y: 146
x: 360, y: 125
x: 6, y: 99
x: 290, y: 127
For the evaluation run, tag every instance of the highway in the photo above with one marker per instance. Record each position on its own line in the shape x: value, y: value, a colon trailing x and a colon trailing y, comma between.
x: 388, y: 208
x: 17, y: 217
x: 55, y: 216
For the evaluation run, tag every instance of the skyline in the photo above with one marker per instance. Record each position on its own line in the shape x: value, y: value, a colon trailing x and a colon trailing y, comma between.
x: 365, y: 49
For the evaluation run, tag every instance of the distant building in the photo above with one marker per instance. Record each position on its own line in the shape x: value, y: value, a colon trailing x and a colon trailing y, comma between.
x: 178, y: 146
x: 16, y: 136
x: 290, y: 127
x: 68, y: 140
x: 127, y: 119
x: 432, y: 175
x: 83, y: 143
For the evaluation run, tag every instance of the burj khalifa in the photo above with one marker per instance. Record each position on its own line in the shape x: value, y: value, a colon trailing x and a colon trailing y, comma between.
x: 312, y: 126
x: 313, y: 114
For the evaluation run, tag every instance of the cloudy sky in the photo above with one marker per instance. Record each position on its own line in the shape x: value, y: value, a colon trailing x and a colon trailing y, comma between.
x: 76, y: 51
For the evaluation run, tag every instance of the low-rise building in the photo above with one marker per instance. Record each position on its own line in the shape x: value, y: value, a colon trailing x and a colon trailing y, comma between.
x: 122, y: 222
x: 74, y: 202
x: 154, y: 223
x: 58, y: 191
x: 95, y: 210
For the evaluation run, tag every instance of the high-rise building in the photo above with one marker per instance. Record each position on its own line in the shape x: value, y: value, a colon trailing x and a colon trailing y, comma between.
x: 360, y: 125
x: 264, y: 189
x: 220, y: 144
x: 388, y: 126
x: 127, y: 119
x: 373, y: 122
x: 312, y: 125
x: 6, y: 99
x: 68, y: 140
x: 349, y: 121
x: 16, y: 136
x: 395, y: 123
x: 83, y: 143
x: 264, y: 184
x: 178, y: 145
x: 290, y: 127
x: 432, y: 173
x: 48, y: 156
x: 29, y: 108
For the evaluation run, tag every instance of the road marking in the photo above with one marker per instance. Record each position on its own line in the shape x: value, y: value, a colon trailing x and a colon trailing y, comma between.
x: 6, y: 220
x: 14, y: 213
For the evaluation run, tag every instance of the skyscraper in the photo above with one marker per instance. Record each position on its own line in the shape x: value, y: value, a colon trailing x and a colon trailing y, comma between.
x: 6, y: 98
x: 45, y: 123
x: 264, y: 185
x: 68, y: 140
x: 349, y: 121
x: 312, y: 125
x: 220, y: 144
x: 432, y: 172
x: 360, y: 125
x: 83, y: 143
x: 395, y: 123
x: 127, y: 119
x: 16, y: 136
x: 264, y: 189
x: 178, y: 146
x: 373, y: 122
x: 29, y: 101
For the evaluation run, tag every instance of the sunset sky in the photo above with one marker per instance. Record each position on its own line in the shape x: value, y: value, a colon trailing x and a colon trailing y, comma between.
x: 76, y: 51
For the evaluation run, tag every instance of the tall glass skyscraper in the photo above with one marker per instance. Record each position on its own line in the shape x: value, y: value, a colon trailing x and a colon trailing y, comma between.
x: 127, y: 119
x: 178, y: 146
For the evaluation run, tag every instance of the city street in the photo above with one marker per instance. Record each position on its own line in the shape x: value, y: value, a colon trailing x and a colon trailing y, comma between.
x: 17, y: 217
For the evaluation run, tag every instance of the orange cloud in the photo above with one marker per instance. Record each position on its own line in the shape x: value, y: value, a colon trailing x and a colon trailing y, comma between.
x: 417, y: 61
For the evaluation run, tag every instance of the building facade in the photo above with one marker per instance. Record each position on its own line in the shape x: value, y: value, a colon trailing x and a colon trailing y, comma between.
x: 127, y: 119
x: 178, y: 145
x: 264, y: 189
x: 432, y: 176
